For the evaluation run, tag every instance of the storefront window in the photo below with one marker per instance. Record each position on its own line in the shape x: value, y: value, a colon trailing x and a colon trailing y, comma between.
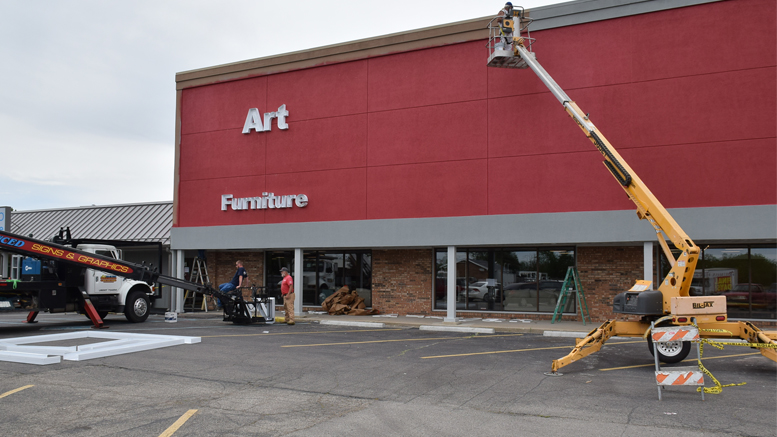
x: 744, y: 277
x: 274, y: 261
x: 440, y: 280
x: 323, y: 273
x: 747, y: 276
x: 475, y: 275
x: 552, y: 268
x: 763, y: 289
x: 357, y: 274
x: 520, y: 280
x: 505, y: 280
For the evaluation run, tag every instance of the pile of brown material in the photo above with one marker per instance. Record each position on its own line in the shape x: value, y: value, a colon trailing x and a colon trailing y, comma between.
x: 345, y: 301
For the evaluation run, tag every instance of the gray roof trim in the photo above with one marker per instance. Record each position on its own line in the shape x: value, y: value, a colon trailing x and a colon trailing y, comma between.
x: 139, y: 222
x: 720, y: 225
x: 587, y: 11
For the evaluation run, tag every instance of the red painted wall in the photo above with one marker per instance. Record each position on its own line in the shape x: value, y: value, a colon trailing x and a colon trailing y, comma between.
x: 688, y: 96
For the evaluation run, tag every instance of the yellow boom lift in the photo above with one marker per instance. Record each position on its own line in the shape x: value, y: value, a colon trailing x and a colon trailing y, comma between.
x: 671, y: 304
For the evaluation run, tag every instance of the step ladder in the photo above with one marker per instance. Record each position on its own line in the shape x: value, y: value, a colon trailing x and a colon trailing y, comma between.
x: 677, y: 376
x: 198, y: 275
x: 571, y: 286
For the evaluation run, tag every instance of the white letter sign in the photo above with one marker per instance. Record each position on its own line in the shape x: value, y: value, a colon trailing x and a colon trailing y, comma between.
x: 254, y: 120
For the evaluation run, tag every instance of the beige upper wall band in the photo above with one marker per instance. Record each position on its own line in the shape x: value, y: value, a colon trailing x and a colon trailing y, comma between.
x: 471, y: 30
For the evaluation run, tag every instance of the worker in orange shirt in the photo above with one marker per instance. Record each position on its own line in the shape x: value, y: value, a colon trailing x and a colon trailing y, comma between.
x: 287, y: 290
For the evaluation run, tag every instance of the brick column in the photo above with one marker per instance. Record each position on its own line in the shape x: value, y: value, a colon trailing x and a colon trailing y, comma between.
x: 605, y: 272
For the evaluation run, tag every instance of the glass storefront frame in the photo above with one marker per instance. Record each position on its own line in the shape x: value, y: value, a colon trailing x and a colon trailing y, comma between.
x: 512, y: 280
x: 325, y: 272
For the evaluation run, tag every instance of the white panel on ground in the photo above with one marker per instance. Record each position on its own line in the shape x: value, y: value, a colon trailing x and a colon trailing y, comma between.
x: 117, y: 343
x: 29, y: 358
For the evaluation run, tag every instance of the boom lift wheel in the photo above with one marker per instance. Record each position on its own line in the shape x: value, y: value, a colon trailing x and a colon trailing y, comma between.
x: 670, y: 352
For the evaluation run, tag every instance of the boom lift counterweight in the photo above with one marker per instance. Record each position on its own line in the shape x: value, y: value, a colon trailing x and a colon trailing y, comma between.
x: 671, y: 303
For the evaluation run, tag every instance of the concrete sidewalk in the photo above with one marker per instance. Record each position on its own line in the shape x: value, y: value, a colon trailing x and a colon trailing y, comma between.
x: 560, y: 328
x: 573, y: 329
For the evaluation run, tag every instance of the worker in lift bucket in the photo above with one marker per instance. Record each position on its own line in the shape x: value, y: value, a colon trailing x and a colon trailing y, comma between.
x: 505, y: 32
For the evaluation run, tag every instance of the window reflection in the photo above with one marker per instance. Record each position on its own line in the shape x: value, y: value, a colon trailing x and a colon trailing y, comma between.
x: 357, y: 274
x: 505, y: 280
x: 323, y: 273
x: 274, y: 262
x: 520, y: 280
x: 440, y: 280
x: 763, y: 262
x: 747, y: 276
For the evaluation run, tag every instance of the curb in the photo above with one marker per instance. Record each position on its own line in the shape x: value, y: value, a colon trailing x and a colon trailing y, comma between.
x: 347, y: 323
x: 456, y: 329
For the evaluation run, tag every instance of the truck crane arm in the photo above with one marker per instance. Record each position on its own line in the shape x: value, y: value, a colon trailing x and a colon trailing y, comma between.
x: 238, y: 311
x: 71, y: 256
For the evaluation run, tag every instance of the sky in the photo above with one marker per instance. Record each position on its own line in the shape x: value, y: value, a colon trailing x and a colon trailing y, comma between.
x: 87, y: 94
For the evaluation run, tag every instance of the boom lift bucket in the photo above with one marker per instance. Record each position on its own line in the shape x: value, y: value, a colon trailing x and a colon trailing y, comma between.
x: 503, y: 41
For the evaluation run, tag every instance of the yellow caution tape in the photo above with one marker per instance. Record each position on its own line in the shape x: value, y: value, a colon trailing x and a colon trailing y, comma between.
x: 719, y: 344
x: 724, y: 331
x: 755, y: 345
x: 718, y: 386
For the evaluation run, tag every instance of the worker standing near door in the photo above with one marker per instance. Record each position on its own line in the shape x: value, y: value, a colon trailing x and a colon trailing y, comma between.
x: 287, y: 290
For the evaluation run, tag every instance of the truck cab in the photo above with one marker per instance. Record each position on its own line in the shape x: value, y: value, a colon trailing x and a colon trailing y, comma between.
x: 115, y: 293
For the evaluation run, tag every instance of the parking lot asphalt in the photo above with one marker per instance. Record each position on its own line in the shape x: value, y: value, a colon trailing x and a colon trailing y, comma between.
x: 318, y: 379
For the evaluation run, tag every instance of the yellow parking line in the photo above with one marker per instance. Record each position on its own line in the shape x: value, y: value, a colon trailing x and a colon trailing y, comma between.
x: 300, y: 333
x: 178, y: 423
x: 518, y: 350
x: 393, y: 340
x: 497, y: 352
x: 684, y: 361
x: 8, y: 393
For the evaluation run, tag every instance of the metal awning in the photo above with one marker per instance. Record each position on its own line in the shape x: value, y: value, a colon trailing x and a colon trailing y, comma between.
x: 138, y: 223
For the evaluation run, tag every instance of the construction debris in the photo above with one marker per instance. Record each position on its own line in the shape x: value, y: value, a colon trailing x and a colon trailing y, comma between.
x: 345, y: 301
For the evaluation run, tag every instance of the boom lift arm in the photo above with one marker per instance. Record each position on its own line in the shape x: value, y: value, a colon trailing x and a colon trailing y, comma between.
x: 678, y: 281
x: 671, y: 303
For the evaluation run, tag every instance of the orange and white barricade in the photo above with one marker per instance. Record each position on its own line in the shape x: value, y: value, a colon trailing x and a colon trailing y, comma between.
x: 677, y: 376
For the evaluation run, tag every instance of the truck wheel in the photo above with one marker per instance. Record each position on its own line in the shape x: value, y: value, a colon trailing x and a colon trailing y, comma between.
x: 670, y: 352
x: 136, y: 308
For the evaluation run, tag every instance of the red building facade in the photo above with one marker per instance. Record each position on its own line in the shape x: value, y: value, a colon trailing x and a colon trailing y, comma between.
x: 399, y: 147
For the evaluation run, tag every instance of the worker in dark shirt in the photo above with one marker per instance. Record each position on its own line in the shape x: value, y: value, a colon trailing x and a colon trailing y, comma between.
x: 237, y: 280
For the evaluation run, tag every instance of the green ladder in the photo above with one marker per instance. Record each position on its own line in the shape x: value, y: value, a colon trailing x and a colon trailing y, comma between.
x: 571, y: 285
